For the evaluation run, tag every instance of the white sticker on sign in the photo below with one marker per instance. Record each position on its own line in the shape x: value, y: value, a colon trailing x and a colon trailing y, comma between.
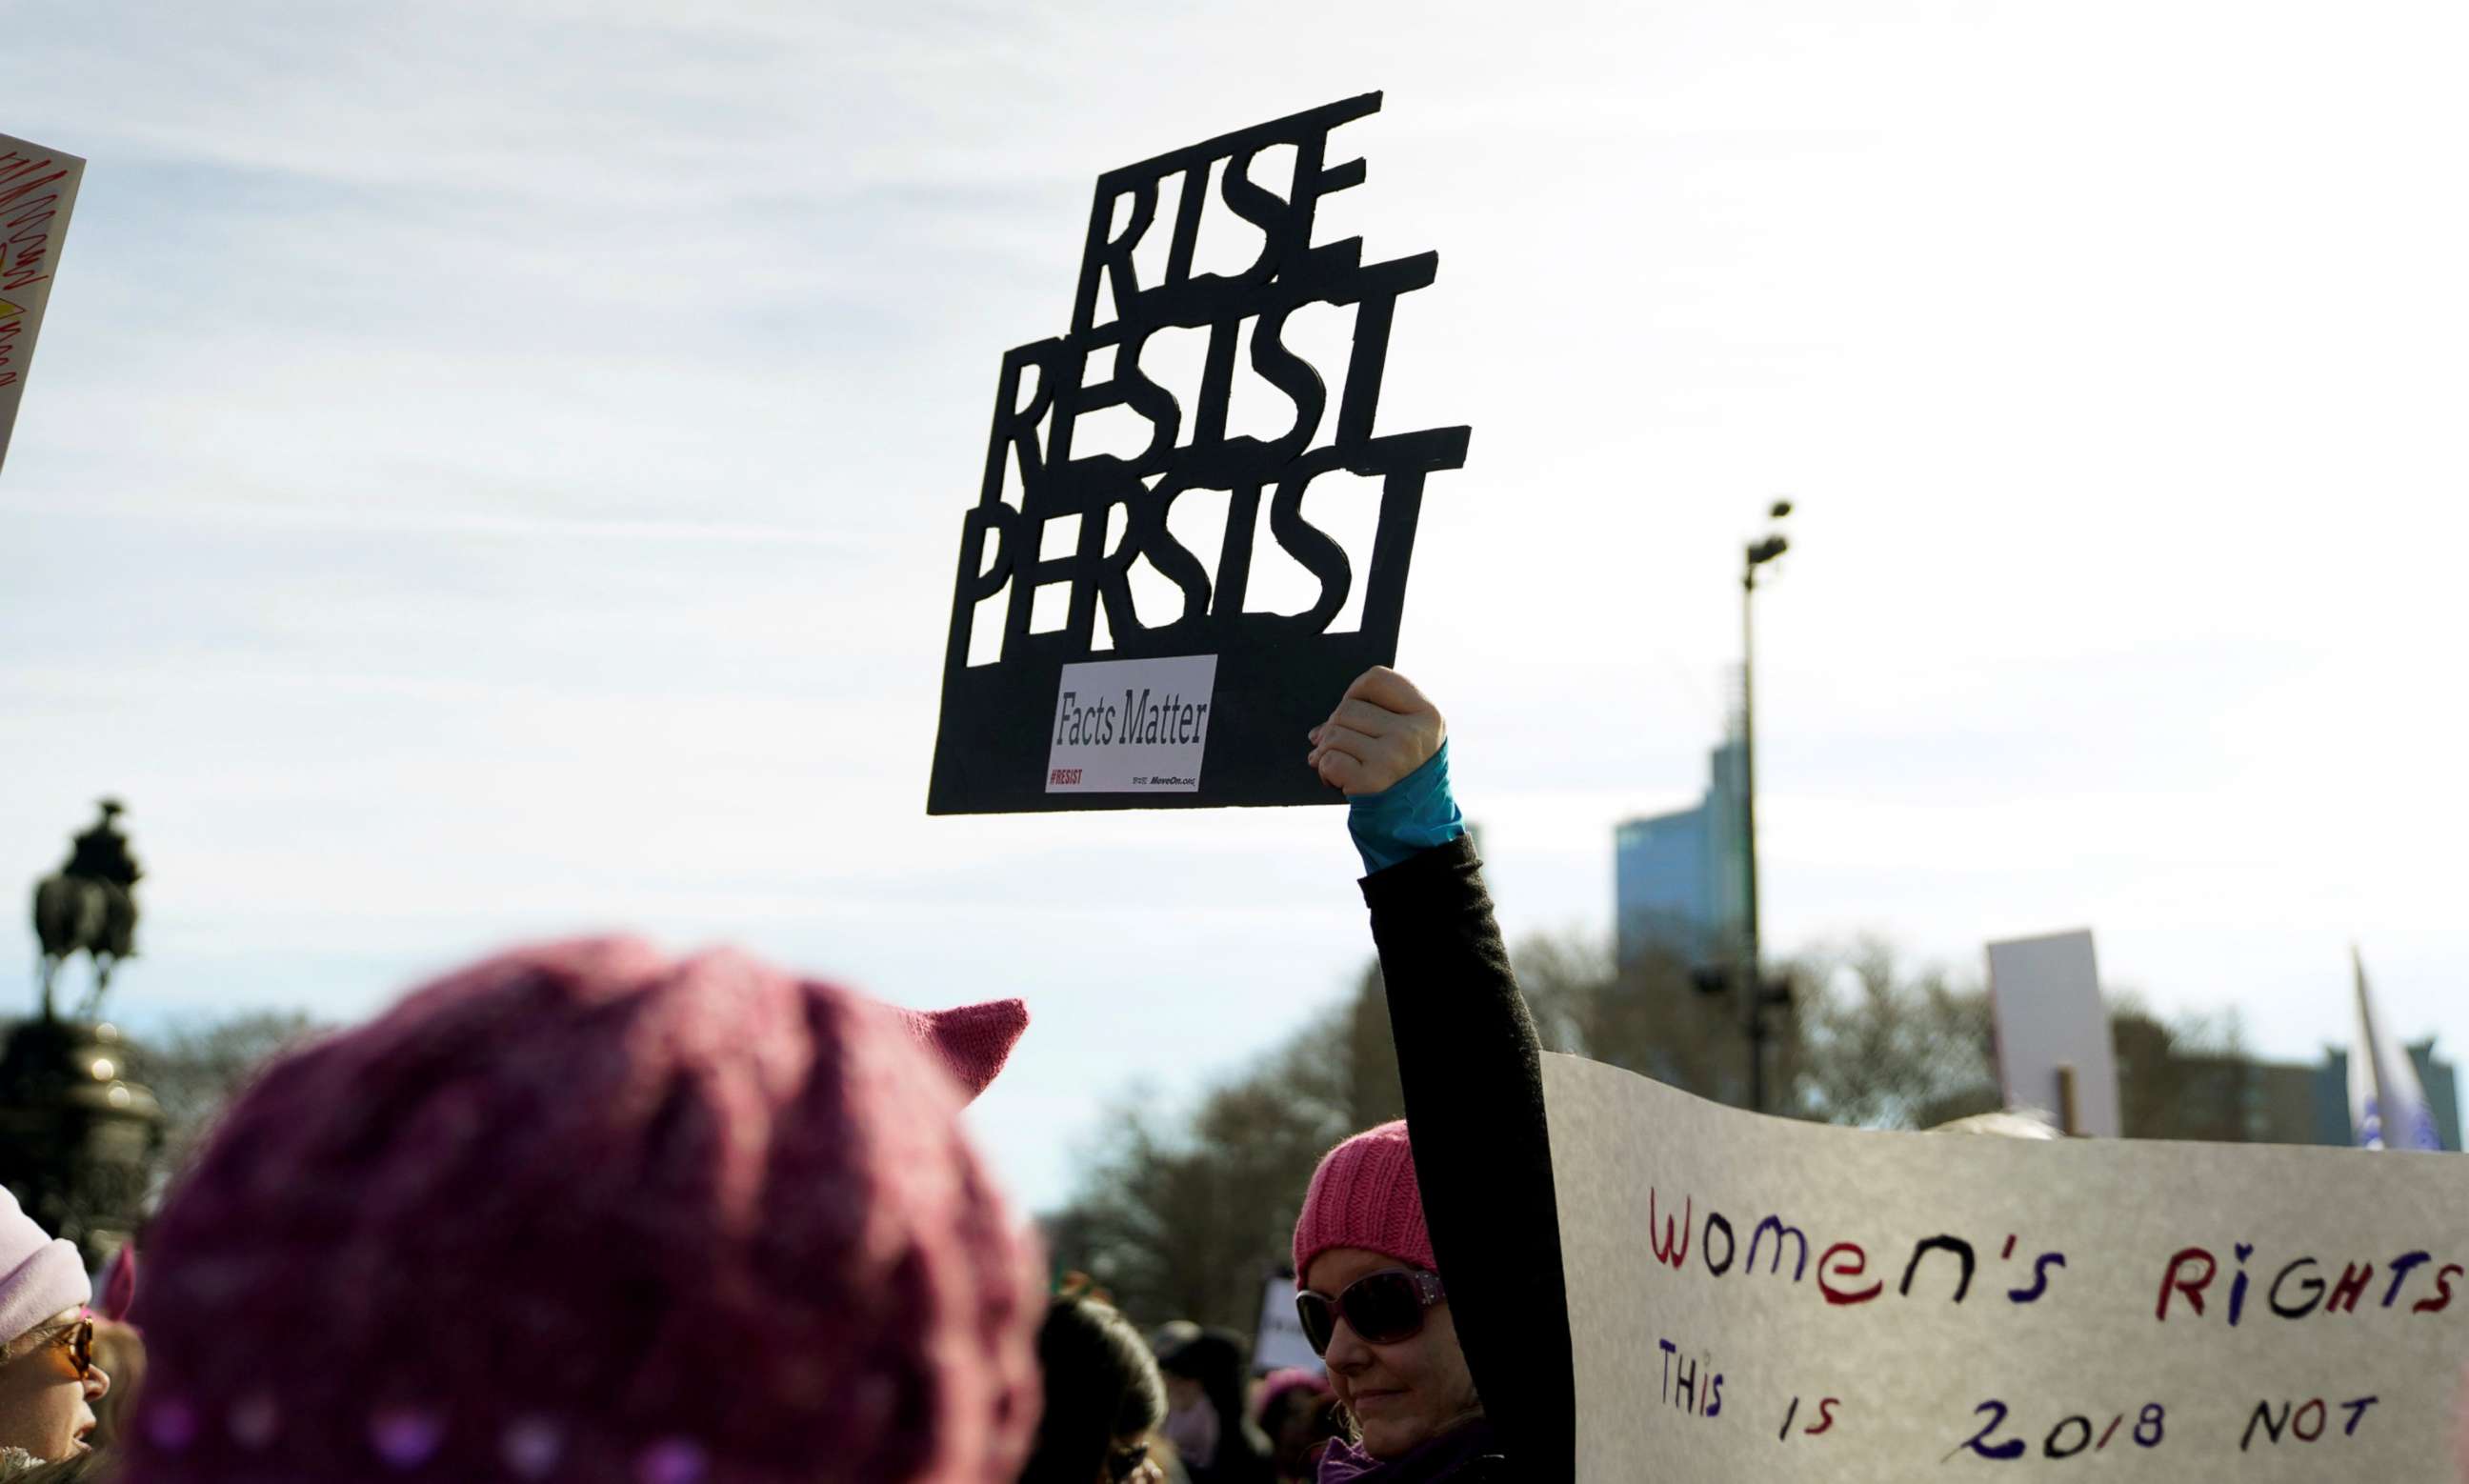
x: 1131, y: 725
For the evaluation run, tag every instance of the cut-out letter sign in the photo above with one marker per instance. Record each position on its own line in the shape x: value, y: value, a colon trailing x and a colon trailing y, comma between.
x: 1754, y: 1298
x: 38, y: 187
x: 1113, y: 639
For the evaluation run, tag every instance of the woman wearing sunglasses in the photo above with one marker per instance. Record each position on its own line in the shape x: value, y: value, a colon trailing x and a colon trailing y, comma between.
x: 49, y: 1382
x: 1432, y: 1285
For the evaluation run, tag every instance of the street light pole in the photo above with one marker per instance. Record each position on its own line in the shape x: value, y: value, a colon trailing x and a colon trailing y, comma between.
x: 1761, y: 996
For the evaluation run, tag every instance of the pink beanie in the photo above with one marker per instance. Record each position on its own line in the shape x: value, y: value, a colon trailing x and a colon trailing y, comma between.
x: 39, y: 1274
x: 1293, y: 1378
x: 972, y: 1041
x: 585, y: 1213
x: 1364, y: 1195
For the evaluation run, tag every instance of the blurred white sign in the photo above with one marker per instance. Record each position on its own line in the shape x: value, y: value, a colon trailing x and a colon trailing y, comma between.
x: 37, y: 188
x: 2044, y: 1002
x: 1279, y: 1341
x: 1754, y: 1299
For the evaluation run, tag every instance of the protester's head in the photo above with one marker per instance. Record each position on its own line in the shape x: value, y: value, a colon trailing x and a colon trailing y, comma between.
x: 582, y: 1212
x: 49, y: 1383
x: 121, y: 1353
x: 1372, y: 1297
x: 1204, y: 1372
x: 1207, y: 1419
x: 1296, y: 1410
x: 1103, y: 1397
x: 2009, y: 1123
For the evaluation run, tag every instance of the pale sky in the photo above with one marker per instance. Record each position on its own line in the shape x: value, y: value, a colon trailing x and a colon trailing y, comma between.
x: 495, y: 469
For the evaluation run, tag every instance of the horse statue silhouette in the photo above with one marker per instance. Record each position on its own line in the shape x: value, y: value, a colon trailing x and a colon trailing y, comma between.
x: 88, y: 906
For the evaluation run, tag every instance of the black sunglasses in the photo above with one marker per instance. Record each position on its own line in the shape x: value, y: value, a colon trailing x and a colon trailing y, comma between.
x: 1123, y: 1463
x: 1380, y: 1308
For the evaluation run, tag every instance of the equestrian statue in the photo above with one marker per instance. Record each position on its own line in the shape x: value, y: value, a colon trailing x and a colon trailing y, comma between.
x: 88, y: 905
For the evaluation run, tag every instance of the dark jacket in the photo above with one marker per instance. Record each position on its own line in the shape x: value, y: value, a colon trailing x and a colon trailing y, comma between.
x: 1467, y: 1057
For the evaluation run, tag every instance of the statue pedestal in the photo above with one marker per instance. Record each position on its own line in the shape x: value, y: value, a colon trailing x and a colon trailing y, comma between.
x: 76, y: 1136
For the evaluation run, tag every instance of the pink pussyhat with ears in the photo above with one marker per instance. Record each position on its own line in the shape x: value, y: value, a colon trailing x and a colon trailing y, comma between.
x: 120, y: 1284
x: 973, y: 1040
x: 586, y: 1214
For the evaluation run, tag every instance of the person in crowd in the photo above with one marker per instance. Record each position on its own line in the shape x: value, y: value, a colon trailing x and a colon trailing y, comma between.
x: 1103, y: 1398
x: 2008, y: 1123
x: 1374, y: 1305
x: 1297, y: 1412
x: 1430, y: 1265
x: 1207, y: 1421
x: 584, y: 1212
x: 50, y: 1384
x: 119, y: 1350
x: 119, y: 1353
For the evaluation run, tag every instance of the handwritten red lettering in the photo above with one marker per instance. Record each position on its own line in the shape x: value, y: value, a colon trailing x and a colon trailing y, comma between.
x: 2178, y: 1278
x: 1857, y: 1265
x: 1669, y: 1246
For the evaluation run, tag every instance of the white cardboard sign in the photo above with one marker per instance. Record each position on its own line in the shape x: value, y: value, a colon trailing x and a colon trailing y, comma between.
x: 37, y: 188
x: 1279, y: 1341
x: 1754, y: 1299
x: 2044, y: 1000
x: 1131, y: 725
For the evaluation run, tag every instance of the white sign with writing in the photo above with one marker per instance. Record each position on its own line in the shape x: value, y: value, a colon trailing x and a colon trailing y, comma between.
x: 1755, y: 1299
x: 37, y: 188
x: 1131, y: 725
x: 1279, y: 1342
x: 2045, y: 1008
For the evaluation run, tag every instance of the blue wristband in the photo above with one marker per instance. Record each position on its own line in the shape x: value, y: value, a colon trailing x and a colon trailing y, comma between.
x: 1413, y: 815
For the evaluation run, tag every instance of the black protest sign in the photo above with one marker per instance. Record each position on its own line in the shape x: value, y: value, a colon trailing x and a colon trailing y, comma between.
x: 1075, y: 702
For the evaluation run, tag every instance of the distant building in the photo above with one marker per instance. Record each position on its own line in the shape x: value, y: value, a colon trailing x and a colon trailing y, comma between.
x: 1678, y: 879
x: 2440, y: 1080
x: 2235, y: 1099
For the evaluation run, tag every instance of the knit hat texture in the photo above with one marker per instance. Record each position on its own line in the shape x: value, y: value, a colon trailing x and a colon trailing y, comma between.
x: 1276, y: 1384
x: 39, y: 1274
x: 972, y: 1041
x: 1364, y: 1195
x: 582, y: 1212
x: 120, y: 1284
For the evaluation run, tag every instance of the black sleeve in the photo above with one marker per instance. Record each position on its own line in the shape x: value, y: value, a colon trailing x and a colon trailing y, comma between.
x: 1468, y: 1056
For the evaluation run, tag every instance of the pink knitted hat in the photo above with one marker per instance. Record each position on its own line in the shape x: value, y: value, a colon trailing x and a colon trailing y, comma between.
x: 585, y: 1213
x: 1364, y: 1195
x: 39, y: 1273
x: 1293, y: 1378
x: 973, y: 1041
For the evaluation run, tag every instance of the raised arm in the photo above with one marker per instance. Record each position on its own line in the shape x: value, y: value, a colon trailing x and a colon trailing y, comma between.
x: 1467, y: 1057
